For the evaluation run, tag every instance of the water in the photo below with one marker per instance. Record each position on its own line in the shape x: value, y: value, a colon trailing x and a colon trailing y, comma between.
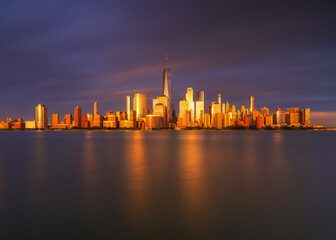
x: 168, y: 185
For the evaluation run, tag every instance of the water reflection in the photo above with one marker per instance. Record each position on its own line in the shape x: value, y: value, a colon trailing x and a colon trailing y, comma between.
x: 89, y: 171
x: 251, y: 164
x: 278, y: 163
x: 39, y: 177
x: 2, y: 182
x: 137, y: 190
x: 193, y: 181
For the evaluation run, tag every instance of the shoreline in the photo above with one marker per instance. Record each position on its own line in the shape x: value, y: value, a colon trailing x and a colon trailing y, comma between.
x: 191, y: 129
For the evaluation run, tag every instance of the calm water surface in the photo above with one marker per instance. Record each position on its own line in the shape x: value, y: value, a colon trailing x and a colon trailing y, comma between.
x: 168, y: 185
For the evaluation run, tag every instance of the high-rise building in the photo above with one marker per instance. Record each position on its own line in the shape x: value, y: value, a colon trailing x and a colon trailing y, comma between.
x: 68, y: 119
x: 55, y: 120
x: 307, y: 116
x: 200, y: 107
x: 251, y: 108
x: 128, y: 107
x: 161, y: 110
x: 162, y: 101
x: 264, y: 111
x: 215, y: 108
x: 78, y: 117
x: 41, y: 116
x: 207, y: 123
x: 190, y: 99
x: 84, y: 121
x: 95, y: 108
x: 140, y: 105
x: 166, y: 81
x: 184, y: 114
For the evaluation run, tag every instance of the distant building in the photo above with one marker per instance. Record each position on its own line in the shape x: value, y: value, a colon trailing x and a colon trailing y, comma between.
x: 41, y: 117
x: 200, y: 107
x: 307, y: 116
x: 259, y: 121
x: 95, y: 108
x: 30, y: 124
x: 55, y: 120
x: 184, y: 115
x: 140, y: 105
x: 68, y: 119
x: 190, y: 99
x: 154, y: 122
x: 128, y: 107
x: 85, y: 121
x: 78, y: 117
x: 207, y: 121
x: 264, y: 111
x: 251, y: 108
x: 215, y: 108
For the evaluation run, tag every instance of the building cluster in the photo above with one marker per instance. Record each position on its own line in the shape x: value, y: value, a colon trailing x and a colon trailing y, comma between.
x: 191, y: 114
x: 222, y: 115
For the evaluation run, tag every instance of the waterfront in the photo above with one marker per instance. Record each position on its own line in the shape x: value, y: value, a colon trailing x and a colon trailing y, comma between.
x: 168, y: 184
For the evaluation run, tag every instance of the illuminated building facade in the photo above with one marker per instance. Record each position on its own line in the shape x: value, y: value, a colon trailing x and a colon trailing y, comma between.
x: 251, y: 108
x: 55, y: 120
x: 140, y: 105
x: 41, y: 117
x: 95, y: 108
x: 200, y: 107
x: 190, y: 99
x: 128, y: 107
x: 78, y: 117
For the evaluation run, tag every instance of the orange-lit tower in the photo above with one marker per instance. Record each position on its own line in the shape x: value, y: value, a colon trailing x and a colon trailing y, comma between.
x: 78, y: 117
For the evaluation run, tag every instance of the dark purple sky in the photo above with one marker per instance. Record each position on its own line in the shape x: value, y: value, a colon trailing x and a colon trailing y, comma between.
x: 68, y: 53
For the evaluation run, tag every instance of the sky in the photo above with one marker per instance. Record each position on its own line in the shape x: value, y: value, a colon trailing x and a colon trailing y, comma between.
x: 68, y: 53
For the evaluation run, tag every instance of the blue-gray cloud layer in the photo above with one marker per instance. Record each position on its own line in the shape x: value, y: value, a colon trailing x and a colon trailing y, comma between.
x: 68, y: 53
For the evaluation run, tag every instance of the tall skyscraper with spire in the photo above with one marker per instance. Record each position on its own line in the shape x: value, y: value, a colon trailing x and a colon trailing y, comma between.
x: 166, y: 82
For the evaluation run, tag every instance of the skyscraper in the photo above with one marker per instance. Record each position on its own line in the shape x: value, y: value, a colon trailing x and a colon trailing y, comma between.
x: 95, y: 108
x: 190, y: 99
x: 55, y: 120
x: 200, y: 107
x: 41, y: 116
x: 128, y: 107
x: 251, y: 108
x: 140, y: 105
x: 184, y: 113
x: 78, y: 117
x: 166, y: 78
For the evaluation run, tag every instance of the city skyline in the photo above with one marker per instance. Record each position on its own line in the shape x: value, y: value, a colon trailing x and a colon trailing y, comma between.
x: 54, y: 53
x: 195, y: 110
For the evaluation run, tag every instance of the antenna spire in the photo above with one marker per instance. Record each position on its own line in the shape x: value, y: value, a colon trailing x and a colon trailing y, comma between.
x: 167, y: 61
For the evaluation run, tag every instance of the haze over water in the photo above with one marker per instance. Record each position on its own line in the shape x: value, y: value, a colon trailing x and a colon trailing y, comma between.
x: 168, y: 184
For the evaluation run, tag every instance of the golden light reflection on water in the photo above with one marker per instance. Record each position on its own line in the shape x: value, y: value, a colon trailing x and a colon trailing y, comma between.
x: 89, y: 171
x: 39, y: 178
x: 191, y: 154
x: 251, y: 164
x: 278, y: 162
x: 2, y: 182
x: 136, y: 179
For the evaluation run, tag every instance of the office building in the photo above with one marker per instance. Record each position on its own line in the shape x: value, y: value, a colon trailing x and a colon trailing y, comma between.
x: 200, y: 107
x: 251, y: 108
x: 78, y: 117
x: 128, y: 107
x: 184, y: 116
x: 55, y: 120
x: 41, y: 117
x: 190, y: 99
x: 95, y: 108
x: 140, y: 105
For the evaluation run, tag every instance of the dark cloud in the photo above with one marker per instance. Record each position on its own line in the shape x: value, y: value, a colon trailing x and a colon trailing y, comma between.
x: 61, y: 53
